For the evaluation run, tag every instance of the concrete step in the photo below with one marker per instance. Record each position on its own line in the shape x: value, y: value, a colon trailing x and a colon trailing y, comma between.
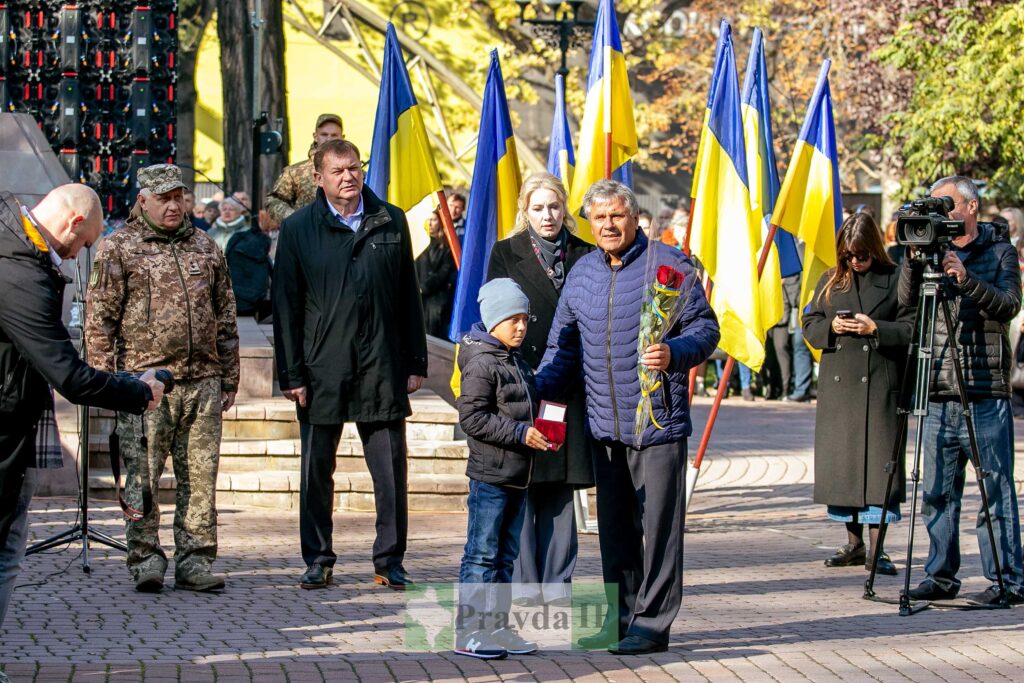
x: 280, y: 489
x: 255, y: 455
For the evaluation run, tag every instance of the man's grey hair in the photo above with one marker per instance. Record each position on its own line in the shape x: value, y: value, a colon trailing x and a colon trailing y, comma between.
x: 964, y: 185
x: 609, y: 190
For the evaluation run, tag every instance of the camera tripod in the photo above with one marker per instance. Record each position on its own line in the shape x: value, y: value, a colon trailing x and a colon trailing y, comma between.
x: 930, y: 297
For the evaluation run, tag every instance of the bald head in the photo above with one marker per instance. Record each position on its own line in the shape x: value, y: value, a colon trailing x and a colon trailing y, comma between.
x: 70, y: 217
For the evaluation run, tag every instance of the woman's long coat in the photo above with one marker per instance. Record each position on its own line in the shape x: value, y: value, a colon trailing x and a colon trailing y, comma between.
x: 514, y: 258
x: 858, y: 391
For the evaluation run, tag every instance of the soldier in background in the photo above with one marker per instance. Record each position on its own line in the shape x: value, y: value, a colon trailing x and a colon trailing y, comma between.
x: 160, y: 269
x: 296, y: 186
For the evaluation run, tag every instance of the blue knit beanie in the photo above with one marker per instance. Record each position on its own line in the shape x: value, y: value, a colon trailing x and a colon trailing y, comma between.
x: 500, y: 299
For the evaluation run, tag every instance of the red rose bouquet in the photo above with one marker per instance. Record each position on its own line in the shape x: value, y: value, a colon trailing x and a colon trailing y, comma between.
x: 665, y: 297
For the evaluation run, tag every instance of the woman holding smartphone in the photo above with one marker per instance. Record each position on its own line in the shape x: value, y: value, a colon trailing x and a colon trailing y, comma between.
x: 863, y: 333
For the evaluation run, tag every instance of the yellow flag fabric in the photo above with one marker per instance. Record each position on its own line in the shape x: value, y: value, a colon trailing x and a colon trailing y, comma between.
x: 725, y: 234
x: 608, y: 110
x: 810, y: 202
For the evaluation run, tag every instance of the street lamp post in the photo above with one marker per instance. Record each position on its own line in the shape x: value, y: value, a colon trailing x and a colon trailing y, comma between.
x: 563, y: 27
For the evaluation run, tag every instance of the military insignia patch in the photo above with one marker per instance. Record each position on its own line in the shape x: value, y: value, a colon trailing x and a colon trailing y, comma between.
x: 94, y: 278
x: 193, y: 268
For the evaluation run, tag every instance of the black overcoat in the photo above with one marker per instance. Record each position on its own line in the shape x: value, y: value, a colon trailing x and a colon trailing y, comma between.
x: 515, y: 258
x: 348, y: 322
x: 437, y: 275
x: 858, y: 391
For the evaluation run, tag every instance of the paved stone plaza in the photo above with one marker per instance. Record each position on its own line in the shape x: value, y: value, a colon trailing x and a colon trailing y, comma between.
x: 758, y: 604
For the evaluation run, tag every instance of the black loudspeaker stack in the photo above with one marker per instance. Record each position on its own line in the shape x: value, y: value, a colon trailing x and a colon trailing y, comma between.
x: 99, y: 77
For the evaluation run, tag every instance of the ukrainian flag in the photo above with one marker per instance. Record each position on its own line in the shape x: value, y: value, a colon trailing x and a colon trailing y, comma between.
x: 783, y: 259
x: 494, y: 191
x: 608, y: 132
x: 561, y: 160
x: 810, y: 204
x: 402, y: 169
x: 726, y: 234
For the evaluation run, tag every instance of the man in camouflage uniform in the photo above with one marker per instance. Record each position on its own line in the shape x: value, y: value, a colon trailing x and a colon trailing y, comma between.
x: 160, y: 296
x: 296, y: 186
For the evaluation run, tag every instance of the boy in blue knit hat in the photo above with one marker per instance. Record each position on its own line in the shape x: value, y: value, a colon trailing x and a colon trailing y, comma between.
x: 496, y: 410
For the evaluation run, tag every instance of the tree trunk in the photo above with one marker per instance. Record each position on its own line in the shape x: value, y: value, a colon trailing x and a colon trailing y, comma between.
x: 234, y: 32
x: 274, y: 88
x: 193, y: 16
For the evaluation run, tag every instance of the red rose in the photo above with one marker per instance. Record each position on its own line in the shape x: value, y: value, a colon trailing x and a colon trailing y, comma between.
x: 669, y: 277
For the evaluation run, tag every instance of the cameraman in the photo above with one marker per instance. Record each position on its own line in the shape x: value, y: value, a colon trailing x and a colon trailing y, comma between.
x: 983, y: 289
x: 36, y: 352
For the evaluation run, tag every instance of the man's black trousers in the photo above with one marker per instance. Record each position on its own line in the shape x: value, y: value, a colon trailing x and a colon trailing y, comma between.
x: 385, y: 454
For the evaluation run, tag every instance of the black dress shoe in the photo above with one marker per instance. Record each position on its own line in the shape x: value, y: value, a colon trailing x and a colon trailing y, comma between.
x: 885, y: 565
x: 637, y: 645
x: 316, y: 576
x: 606, y: 637
x: 850, y: 555
x: 395, y: 578
x: 932, y: 591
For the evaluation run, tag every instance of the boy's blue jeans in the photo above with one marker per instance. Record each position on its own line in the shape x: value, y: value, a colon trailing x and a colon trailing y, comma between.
x: 492, y: 544
x: 946, y: 449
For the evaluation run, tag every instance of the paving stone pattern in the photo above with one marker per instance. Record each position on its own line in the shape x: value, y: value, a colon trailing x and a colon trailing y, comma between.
x: 758, y: 603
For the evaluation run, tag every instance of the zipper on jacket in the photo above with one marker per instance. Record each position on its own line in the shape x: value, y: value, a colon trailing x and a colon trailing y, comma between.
x: 188, y: 310
x: 611, y: 378
x: 519, y: 373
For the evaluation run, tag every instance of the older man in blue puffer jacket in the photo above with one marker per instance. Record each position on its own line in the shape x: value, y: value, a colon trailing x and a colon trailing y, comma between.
x: 640, y: 491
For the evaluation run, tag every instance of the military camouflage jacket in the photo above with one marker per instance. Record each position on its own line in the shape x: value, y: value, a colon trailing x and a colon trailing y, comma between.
x: 293, y: 190
x: 157, y: 301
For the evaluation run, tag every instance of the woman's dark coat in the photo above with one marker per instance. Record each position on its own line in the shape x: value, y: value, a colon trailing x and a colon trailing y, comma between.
x: 437, y: 275
x: 248, y: 258
x: 348, y: 323
x: 858, y: 391
x: 514, y: 258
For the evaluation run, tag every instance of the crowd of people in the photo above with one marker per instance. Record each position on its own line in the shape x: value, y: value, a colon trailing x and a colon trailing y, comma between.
x: 333, y: 265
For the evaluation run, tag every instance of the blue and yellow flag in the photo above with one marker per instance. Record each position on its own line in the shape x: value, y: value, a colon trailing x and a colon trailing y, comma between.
x: 561, y: 160
x: 783, y: 259
x: 810, y: 204
x: 494, y: 191
x: 608, y: 115
x: 725, y: 234
x: 402, y: 169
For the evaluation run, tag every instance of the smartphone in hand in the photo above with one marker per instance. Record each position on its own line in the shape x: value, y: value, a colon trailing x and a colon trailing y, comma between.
x: 845, y: 315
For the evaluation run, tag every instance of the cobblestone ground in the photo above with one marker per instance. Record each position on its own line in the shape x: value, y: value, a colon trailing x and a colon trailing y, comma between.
x: 758, y: 603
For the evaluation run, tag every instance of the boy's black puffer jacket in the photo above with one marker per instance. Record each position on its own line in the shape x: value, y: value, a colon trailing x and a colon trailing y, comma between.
x: 495, y: 409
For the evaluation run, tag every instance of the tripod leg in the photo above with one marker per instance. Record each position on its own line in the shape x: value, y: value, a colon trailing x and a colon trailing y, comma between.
x: 898, y: 448
x: 975, y: 455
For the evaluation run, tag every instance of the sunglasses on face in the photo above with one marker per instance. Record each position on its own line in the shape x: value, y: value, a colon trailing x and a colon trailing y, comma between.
x: 860, y: 257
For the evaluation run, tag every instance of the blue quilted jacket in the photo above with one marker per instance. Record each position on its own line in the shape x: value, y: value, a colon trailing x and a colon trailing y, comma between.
x: 595, y: 330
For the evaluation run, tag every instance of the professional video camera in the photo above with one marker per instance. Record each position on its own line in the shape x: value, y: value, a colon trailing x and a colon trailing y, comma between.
x: 925, y: 224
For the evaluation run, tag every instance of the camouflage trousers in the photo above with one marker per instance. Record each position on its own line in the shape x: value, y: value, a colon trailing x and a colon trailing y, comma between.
x: 186, y: 425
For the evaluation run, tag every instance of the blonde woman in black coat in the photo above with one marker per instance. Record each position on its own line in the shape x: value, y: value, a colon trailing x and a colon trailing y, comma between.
x: 863, y: 333
x: 538, y: 256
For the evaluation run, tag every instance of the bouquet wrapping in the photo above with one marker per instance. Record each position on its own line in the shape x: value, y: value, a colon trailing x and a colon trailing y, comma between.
x: 665, y: 296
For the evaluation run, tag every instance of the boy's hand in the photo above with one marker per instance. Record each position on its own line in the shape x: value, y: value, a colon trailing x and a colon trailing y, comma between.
x: 534, y: 439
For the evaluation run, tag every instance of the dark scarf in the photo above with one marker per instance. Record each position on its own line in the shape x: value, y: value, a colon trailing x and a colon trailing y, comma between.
x: 552, y: 255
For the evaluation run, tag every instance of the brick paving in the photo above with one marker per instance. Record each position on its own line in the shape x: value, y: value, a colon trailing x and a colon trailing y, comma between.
x: 758, y: 603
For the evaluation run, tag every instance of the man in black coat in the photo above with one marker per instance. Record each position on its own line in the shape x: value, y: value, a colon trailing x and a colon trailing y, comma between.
x: 35, y: 349
x: 983, y: 288
x: 350, y: 345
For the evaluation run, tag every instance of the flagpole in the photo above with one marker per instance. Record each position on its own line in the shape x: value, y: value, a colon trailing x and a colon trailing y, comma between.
x: 449, y: 228
x: 607, y: 156
x: 730, y: 362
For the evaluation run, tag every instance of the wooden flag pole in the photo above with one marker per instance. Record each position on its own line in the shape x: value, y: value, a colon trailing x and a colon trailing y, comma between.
x: 694, y: 470
x: 449, y: 228
x: 608, y: 156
